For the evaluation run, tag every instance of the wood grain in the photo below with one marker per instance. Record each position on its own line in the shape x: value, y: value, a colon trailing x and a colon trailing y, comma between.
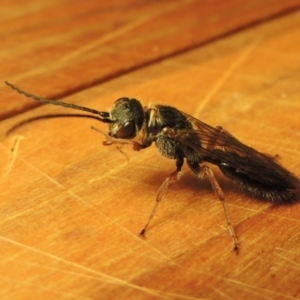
x: 79, y: 44
x: 71, y: 208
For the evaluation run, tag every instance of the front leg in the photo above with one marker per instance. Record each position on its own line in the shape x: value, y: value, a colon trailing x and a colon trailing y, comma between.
x: 163, y: 189
x: 117, y: 141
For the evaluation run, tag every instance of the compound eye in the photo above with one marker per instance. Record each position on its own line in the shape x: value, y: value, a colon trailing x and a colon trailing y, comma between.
x: 126, y: 131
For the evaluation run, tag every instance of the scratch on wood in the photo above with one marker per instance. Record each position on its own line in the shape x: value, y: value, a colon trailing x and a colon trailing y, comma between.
x: 295, y: 264
x: 103, y: 276
x: 226, y: 75
x: 60, y: 294
x: 257, y: 290
x: 179, y: 296
x: 222, y: 294
x: 14, y: 151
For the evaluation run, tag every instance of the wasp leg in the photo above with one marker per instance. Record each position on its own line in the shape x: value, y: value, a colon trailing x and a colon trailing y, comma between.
x: 205, y: 171
x: 117, y: 141
x: 163, y: 189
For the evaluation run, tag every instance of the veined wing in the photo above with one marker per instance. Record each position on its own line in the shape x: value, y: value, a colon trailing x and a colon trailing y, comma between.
x: 221, y: 148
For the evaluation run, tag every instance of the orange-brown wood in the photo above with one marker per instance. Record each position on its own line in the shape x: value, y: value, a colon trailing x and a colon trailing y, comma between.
x: 62, y: 47
x: 71, y: 208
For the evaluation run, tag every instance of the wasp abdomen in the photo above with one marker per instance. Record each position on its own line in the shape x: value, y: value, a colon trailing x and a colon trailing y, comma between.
x: 274, y: 188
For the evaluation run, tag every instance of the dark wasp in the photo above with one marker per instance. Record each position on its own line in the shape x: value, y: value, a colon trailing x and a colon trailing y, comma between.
x: 180, y: 136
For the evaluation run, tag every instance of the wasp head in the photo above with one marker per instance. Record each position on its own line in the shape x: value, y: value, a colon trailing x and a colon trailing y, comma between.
x: 126, y: 118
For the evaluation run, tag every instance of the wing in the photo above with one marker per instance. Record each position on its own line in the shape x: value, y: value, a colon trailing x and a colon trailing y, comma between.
x: 236, y: 160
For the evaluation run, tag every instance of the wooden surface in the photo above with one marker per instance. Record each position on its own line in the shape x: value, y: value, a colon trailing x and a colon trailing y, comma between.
x: 71, y: 208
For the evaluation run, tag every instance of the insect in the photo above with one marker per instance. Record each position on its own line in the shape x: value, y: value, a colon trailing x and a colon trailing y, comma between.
x: 182, y: 137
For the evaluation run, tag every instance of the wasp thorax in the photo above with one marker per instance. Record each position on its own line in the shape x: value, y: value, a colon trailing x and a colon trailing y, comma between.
x: 128, y: 117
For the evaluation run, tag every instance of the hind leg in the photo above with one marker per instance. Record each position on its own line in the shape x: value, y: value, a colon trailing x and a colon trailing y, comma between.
x: 205, y: 171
